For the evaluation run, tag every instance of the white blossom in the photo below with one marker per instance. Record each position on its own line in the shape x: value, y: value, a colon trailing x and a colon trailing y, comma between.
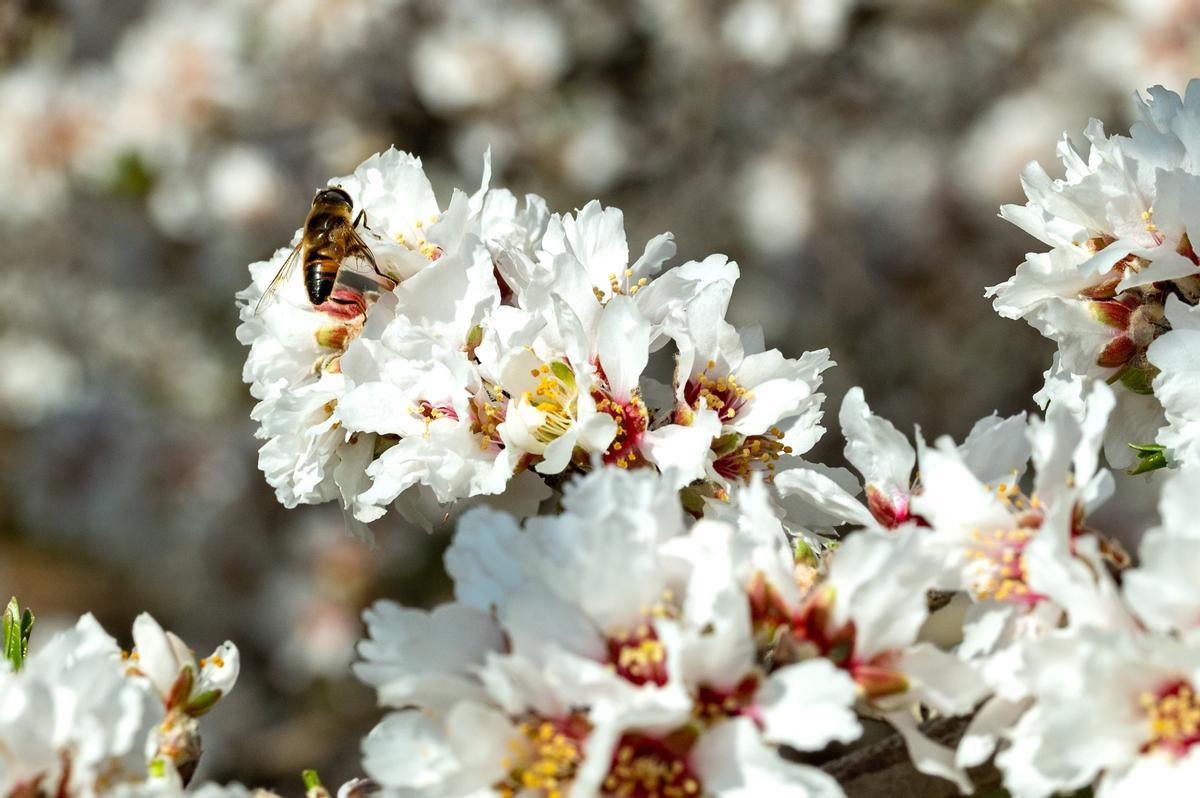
x: 82, y: 718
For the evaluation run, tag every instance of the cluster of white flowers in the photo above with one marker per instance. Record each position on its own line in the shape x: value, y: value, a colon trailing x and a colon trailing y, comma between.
x: 81, y: 717
x: 1122, y: 272
x: 511, y: 350
x: 671, y: 629
x: 663, y: 599
x: 1124, y: 664
x: 622, y: 648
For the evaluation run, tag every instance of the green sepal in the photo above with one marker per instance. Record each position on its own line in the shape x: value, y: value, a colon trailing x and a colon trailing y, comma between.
x: 692, y: 501
x: 16, y: 627
x: 1138, y: 379
x: 202, y: 703
x: 726, y: 444
x: 474, y: 339
x: 1151, y: 457
x: 312, y: 781
x: 181, y: 688
x: 803, y: 553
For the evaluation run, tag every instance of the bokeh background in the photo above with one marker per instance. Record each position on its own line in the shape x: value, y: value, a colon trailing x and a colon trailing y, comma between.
x: 849, y: 154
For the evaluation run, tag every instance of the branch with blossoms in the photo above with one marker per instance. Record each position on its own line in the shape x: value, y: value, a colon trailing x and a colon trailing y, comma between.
x: 654, y: 593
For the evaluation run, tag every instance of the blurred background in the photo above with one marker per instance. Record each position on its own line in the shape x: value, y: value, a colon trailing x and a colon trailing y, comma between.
x: 849, y: 154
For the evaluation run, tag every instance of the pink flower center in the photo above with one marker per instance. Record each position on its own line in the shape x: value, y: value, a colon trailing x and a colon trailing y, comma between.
x: 631, y: 418
x: 544, y: 757
x: 738, y: 457
x: 719, y: 393
x: 998, y: 565
x: 713, y: 704
x: 1174, y: 717
x: 647, y: 767
x: 432, y: 412
x: 638, y: 656
x: 487, y: 414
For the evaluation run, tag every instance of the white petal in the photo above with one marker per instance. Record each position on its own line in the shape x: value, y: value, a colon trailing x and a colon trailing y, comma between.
x: 941, y: 680
x: 732, y: 762
x: 623, y: 345
x: 424, y: 657
x: 873, y: 446
x: 682, y: 451
x: 927, y: 756
x: 220, y: 671
x: 826, y: 501
x: 156, y: 656
x: 809, y: 705
x: 485, y: 559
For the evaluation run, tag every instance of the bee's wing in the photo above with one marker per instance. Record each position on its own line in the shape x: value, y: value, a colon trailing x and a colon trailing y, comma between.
x: 361, y: 261
x: 360, y: 248
x: 282, y: 275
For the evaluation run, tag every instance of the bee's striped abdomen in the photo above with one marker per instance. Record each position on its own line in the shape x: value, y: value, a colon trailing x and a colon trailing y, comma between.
x: 320, y: 273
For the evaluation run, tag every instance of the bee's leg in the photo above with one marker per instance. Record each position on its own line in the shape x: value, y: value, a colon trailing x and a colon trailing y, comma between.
x: 366, y: 252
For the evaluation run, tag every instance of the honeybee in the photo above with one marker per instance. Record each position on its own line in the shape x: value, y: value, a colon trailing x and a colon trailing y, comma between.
x: 329, y: 239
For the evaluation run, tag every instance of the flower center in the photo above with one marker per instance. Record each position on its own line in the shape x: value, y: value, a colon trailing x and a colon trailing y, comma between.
x: 619, y: 285
x: 346, y: 324
x: 998, y: 570
x: 555, y: 396
x: 429, y: 413
x: 738, y: 457
x: 1174, y: 716
x: 545, y: 756
x: 646, y: 767
x: 417, y: 241
x: 720, y: 393
x: 631, y: 418
x: 713, y: 705
x: 769, y: 611
x: 638, y: 657
x: 487, y: 414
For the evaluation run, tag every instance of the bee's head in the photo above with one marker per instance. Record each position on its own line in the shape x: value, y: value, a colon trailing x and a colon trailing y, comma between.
x: 334, y: 196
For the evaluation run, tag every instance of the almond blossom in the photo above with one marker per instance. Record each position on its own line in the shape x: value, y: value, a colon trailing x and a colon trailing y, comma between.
x: 1118, y: 225
x: 498, y: 341
x: 1133, y: 664
x: 888, y: 465
x: 654, y: 686
x: 83, y: 718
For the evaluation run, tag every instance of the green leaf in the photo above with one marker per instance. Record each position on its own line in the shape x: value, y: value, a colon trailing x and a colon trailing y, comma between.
x: 15, y: 628
x: 1151, y: 457
x: 312, y: 781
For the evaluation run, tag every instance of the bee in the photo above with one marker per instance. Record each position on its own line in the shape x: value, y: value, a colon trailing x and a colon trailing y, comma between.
x: 330, y: 238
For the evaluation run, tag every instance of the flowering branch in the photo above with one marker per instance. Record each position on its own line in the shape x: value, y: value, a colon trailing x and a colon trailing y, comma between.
x: 654, y: 593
